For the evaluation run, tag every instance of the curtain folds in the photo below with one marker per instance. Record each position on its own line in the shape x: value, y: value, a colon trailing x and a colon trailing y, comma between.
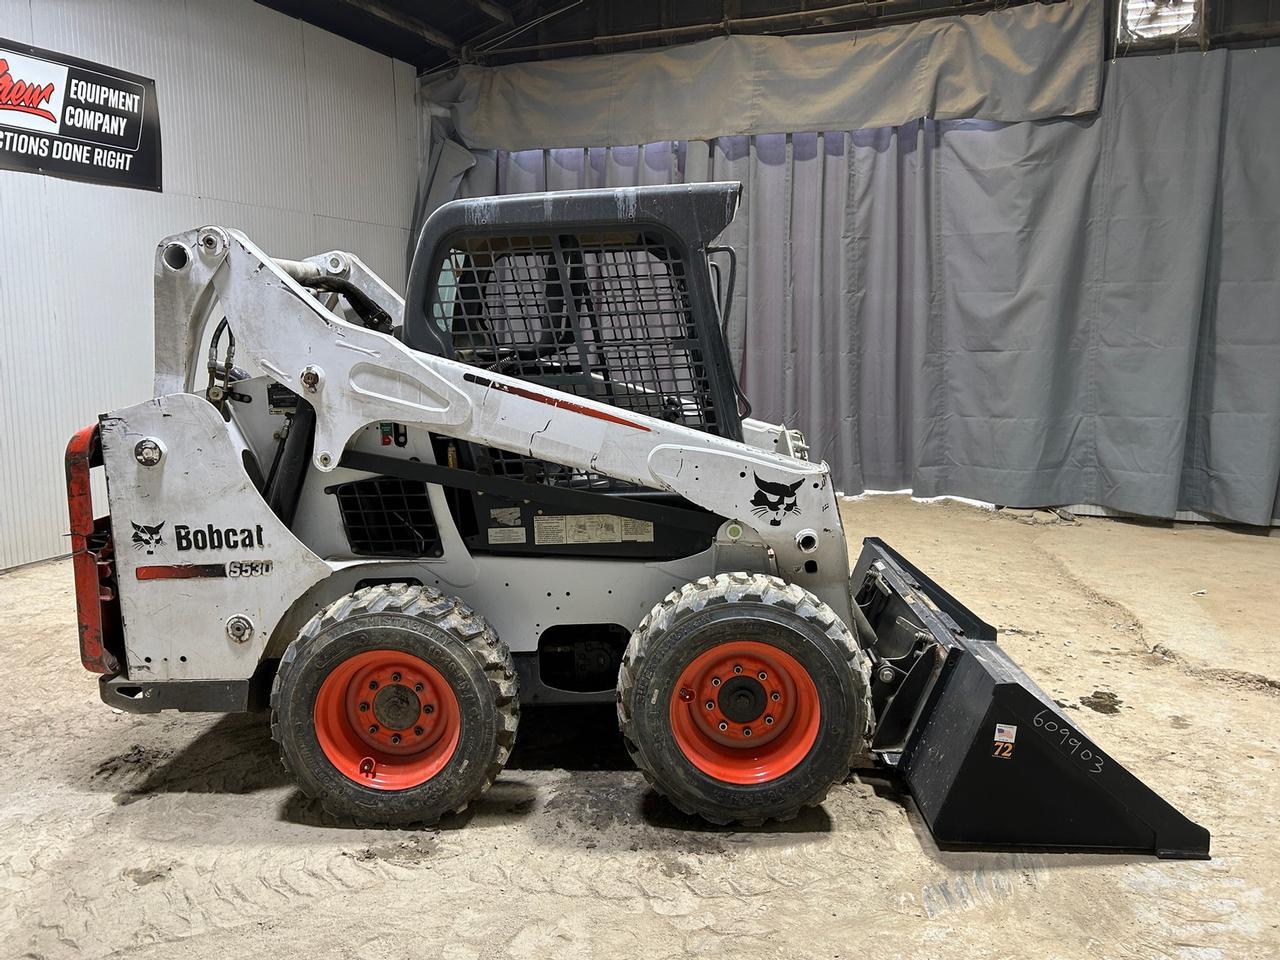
x: 1074, y: 311
x: 1027, y: 62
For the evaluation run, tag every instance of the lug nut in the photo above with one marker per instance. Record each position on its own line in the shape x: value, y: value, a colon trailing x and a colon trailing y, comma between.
x: 737, y: 668
x: 715, y: 681
x: 417, y: 688
x: 395, y: 738
x: 762, y: 675
x: 711, y: 704
x: 364, y: 707
x: 417, y: 731
x: 746, y: 731
x: 768, y: 721
x: 373, y: 684
x: 428, y: 708
x: 775, y: 696
x: 374, y: 728
x: 395, y: 678
x: 723, y: 725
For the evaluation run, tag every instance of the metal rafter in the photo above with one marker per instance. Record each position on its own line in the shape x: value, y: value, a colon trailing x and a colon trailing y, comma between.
x: 405, y: 22
x: 846, y: 15
x: 493, y: 11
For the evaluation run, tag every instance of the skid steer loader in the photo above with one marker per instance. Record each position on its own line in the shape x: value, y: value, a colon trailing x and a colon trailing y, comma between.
x: 536, y: 480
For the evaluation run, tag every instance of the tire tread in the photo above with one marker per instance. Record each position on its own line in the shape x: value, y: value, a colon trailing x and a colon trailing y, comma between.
x: 734, y: 588
x: 447, y: 614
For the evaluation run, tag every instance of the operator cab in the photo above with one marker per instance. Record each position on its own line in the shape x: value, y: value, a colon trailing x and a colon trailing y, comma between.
x: 584, y: 293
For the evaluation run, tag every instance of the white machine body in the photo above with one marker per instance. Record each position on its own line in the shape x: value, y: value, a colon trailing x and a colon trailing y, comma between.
x: 211, y: 582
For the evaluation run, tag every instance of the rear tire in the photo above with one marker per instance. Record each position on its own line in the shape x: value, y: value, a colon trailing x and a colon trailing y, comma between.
x: 395, y: 705
x: 744, y: 698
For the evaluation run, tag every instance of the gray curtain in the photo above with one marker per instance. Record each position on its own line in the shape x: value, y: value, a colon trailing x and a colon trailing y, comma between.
x: 1079, y: 310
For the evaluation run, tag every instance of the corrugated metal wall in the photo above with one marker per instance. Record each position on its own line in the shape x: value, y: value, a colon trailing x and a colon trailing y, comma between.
x: 305, y: 141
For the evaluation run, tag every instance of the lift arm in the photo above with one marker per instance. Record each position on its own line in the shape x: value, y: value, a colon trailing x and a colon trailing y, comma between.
x: 354, y: 376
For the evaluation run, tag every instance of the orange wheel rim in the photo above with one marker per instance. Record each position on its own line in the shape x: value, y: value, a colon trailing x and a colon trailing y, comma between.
x: 745, y: 712
x: 387, y: 720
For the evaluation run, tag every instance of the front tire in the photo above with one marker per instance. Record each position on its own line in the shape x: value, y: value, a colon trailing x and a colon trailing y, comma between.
x: 395, y: 705
x: 744, y: 698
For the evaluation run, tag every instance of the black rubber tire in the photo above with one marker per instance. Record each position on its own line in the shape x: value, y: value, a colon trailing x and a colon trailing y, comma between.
x: 448, y: 635
x: 710, y: 611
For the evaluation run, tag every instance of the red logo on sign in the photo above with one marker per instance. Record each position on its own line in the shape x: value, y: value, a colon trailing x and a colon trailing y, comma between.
x: 22, y: 96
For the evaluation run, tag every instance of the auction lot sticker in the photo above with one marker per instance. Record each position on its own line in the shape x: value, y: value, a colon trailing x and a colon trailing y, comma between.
x: 66, y: 117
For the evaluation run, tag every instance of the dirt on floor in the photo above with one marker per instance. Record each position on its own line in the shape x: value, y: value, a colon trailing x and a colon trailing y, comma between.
x: 180, y: 835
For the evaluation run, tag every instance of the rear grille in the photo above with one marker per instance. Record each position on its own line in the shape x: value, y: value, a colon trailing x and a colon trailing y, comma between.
x: 388, y: 517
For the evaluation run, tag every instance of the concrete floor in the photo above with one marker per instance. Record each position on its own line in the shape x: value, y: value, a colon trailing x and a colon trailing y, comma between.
x: 180, y: 835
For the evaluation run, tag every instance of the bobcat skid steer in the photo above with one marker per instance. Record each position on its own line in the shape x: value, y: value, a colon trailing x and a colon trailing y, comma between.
x: 392, y: 522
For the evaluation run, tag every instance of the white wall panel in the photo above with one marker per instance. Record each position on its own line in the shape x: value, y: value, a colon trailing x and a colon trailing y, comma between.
x: 15, y: 20
x: 410, y: 131
x: 247, y: 75
x: 408, y: 122
x: 301, y: 139
x: 358, y: 85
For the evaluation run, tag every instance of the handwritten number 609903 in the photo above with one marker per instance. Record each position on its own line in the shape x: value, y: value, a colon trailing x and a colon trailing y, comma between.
x: 1075, y: 743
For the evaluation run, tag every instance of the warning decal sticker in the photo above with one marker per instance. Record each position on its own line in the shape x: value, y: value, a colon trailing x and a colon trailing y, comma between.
x: 593, y: 528
x: 507, y: 535
x: 590, y: 528
x: 548, y: 531
x: 637, y: 531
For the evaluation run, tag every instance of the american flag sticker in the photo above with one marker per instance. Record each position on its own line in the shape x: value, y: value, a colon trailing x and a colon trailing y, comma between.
x: 1005, y: 733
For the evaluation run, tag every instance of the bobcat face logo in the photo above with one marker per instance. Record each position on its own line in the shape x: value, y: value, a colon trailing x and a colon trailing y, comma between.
x: 147, y: 538
x: 774, y: 499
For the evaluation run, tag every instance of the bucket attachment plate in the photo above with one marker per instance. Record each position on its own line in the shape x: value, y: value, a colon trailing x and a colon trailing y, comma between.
x: 989, y: 758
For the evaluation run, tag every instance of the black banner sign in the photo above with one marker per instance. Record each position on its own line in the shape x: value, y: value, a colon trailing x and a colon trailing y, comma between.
x: 66, y: 117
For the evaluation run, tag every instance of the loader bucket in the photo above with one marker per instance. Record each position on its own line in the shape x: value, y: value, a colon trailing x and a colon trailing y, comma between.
x: 988, y: 757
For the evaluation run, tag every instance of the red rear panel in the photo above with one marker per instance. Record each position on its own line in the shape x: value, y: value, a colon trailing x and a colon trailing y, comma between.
x: 92, y: 557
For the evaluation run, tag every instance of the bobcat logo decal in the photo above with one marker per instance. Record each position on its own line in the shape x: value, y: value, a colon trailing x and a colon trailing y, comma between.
x: 774, y: 499
x: 147, y: 538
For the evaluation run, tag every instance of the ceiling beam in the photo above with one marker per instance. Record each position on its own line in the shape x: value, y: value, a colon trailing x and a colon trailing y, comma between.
x: 493, y: 11
x: 405, y: 22
x: 864, y: 13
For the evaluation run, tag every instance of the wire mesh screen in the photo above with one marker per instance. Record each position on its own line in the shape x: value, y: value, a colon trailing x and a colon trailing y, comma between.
x: 604, y: 315
x: 388, y: 517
